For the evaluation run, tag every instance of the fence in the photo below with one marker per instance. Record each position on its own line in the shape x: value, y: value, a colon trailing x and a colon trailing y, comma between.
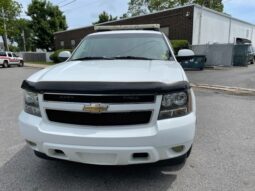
x: 223, y: 54
x: 216, y: 54
x: 36, y: 56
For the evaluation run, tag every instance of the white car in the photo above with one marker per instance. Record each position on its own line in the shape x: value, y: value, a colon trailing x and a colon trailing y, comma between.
x: 121, y: 98
x: 9, y: 58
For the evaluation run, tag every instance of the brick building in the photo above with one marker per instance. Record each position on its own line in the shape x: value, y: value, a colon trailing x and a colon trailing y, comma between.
x: 198, y: 25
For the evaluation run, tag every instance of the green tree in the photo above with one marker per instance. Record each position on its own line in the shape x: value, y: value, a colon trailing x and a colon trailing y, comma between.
x: 23, y: 35
x: 138, y: 7
x: 212, y: 4
x: 124, y: 16
x: 45, y: 20
x: 105, y: 17
x: 10, y: 10
x: 141, y: 7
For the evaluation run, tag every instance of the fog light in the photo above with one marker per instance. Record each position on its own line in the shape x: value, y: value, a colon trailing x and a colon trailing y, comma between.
x: 178, y: 149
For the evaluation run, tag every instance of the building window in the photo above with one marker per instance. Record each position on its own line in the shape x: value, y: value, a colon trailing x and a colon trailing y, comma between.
x: 73, y: 43
x: 62, y: 44
x: 165, y: 30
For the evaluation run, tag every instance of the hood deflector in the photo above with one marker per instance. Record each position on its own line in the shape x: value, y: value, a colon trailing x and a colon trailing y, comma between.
x: 154, y: 88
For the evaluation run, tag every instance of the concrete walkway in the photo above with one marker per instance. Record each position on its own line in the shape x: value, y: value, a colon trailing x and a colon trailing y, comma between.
x: 36, y: 65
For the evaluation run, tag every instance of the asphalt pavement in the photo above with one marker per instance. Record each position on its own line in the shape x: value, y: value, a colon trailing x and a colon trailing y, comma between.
x: 222, y: 157
x: 233, y: 76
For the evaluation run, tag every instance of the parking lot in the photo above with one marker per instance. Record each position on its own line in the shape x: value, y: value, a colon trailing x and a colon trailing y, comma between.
x: 222, y: 157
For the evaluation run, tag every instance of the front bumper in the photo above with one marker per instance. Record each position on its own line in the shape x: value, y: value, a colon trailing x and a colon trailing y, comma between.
x: 109, y: 145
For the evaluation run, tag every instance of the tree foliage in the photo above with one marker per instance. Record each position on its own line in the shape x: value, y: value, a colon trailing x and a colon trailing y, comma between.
x: 45, y: 20
x: 212, y: 4
x: 138, y: 7
x: 23, y: 27
x: 105, y: 17
x: 141, y: 7
x: 12, y: 9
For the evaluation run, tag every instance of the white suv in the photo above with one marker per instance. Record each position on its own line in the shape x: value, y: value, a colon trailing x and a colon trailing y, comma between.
x: 9, y: 58
x: 121, y: 98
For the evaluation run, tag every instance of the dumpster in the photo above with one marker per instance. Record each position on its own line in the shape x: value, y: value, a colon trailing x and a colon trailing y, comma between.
x: 241, y: 55
x: 192, y: 62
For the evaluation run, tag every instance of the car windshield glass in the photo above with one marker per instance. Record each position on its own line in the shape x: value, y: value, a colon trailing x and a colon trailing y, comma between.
x: 123, y: 46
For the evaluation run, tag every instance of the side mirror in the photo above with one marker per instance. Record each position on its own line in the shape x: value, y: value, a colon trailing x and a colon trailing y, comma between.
x: 186, y: 53
x: 64, y: 55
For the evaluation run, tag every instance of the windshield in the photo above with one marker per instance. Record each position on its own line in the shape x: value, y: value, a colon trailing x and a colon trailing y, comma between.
x: 123, y: 46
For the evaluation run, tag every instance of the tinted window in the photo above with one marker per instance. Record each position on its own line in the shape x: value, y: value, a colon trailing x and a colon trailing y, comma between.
x: 150, y: 46
x: 9, y: 54
x: 2, y: 54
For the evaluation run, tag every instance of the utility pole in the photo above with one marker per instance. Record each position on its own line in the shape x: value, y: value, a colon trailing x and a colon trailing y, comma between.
x: 5, y: 31
x: 24, y: 40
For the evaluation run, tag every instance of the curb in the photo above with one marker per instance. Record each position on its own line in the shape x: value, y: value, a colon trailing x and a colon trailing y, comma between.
x: 42, y: 66
x: 217, y: 68
x: 226, y: 89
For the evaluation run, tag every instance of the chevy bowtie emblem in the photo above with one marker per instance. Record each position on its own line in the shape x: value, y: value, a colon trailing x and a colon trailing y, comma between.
x: 96, y: 108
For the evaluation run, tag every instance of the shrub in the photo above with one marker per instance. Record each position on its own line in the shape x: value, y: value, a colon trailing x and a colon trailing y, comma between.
x: 14, y: 48
x: 179, y: 44
x: 54, y: 57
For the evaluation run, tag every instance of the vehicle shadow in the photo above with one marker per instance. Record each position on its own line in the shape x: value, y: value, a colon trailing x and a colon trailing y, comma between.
x: 26, y: 172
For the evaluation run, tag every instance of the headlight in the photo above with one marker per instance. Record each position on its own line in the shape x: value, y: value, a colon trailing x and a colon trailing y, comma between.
x: 175, y: 105
x: 32, y: 104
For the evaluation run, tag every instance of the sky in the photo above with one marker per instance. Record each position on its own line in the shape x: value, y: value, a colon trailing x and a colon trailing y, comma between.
x: 80, y: 13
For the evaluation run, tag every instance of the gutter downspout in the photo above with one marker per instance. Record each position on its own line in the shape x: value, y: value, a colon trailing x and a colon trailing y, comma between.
x: 200, y: 25
x: 230, y: 27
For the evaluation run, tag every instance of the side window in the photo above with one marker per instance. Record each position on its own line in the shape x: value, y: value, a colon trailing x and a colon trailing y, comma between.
x: 2, y: 54
x: 73, y: 43
x: 62, y: 44
x: 9, y: 54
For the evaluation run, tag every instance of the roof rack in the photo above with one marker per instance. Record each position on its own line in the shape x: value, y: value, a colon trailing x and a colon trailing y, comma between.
x: 154, y: 27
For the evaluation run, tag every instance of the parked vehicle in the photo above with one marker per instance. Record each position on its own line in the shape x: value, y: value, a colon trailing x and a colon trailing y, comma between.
x: 251, y: 55
x: 120, y: 98
x: 9, y: 58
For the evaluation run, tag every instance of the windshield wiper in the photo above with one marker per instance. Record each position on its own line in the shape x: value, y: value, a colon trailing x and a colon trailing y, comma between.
x: 132, y: 58
x: 93, y: 58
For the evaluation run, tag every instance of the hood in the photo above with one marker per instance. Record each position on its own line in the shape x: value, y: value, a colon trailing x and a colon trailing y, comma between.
x: 112, y: 71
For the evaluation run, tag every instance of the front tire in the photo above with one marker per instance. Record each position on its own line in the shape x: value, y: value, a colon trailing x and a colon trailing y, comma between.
x: 5, y: 64
x: 253, y: 61
x: 21, y: 64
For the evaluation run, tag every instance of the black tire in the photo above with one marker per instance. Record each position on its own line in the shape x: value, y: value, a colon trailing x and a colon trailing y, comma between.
x: 43, y: 156
x: 21, y: 64
x: 5, y: 64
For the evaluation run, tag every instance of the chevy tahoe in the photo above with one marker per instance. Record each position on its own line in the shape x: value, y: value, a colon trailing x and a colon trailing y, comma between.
x: 120, y: 98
